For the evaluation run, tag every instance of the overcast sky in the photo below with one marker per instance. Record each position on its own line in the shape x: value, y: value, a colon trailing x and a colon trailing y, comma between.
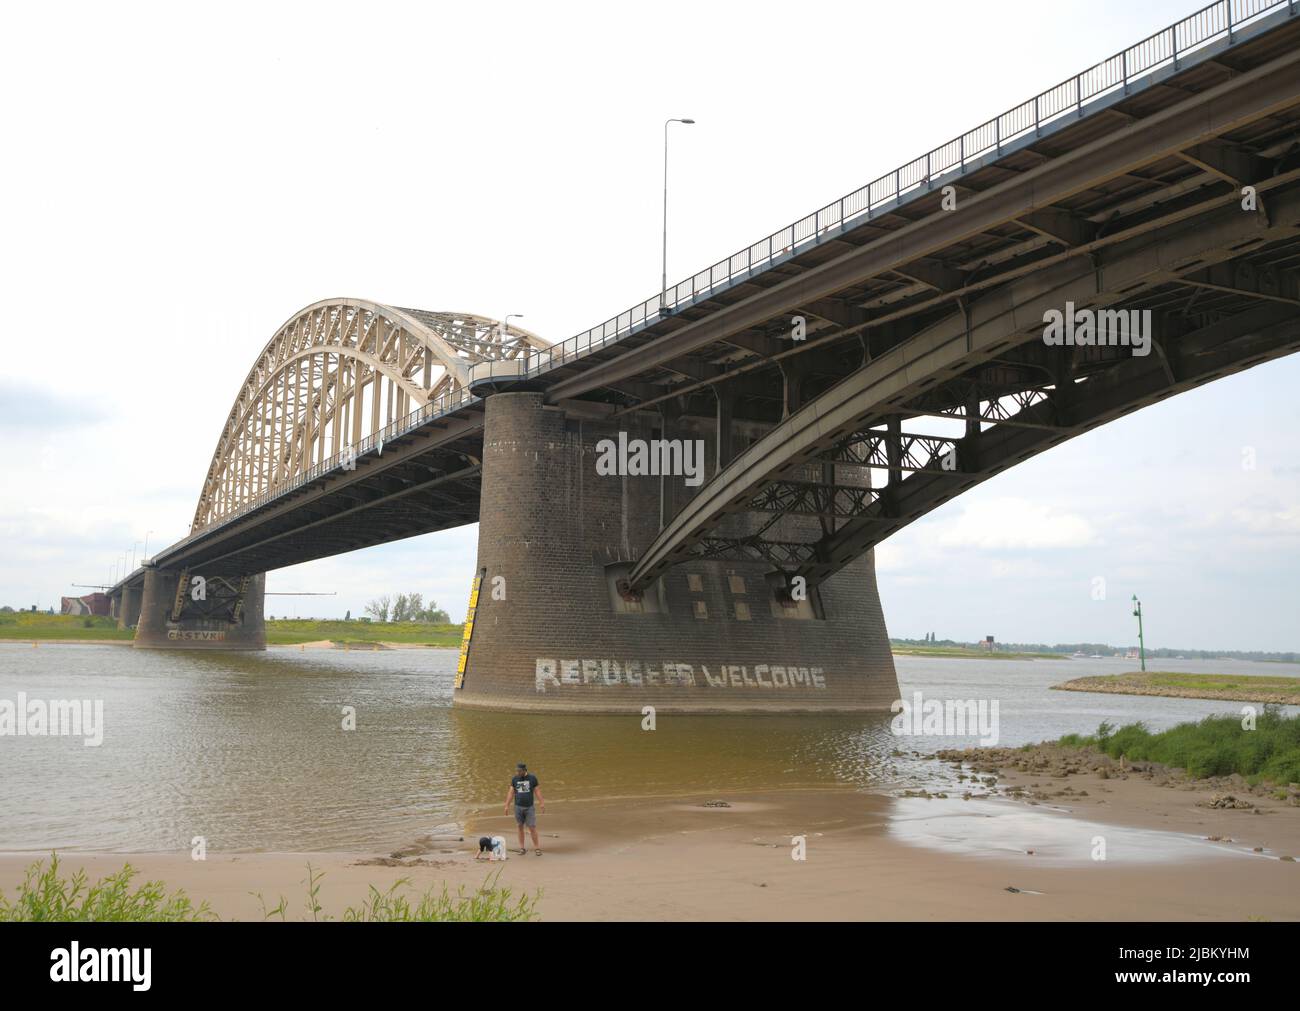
x: 179, y: 180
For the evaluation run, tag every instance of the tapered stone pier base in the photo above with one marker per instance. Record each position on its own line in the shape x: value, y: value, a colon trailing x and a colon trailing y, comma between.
x: 128, y: 609
x: 157, y: 630
x: 553, y: 634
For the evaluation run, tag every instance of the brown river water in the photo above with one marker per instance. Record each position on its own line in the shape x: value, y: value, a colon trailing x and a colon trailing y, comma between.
x: 248, y: 750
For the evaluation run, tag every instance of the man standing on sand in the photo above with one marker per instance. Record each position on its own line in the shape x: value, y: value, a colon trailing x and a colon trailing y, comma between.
x: 523, y: 788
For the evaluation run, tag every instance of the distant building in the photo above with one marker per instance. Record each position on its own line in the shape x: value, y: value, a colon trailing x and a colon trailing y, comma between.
x: 91, y: 604
x: 987, y: 643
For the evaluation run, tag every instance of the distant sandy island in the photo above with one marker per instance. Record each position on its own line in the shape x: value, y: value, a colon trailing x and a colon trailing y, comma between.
x: 1170, y: 684
x: 865, y: 856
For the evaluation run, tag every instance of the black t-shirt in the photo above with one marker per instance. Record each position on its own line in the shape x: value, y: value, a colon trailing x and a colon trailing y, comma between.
x: 524, y: 787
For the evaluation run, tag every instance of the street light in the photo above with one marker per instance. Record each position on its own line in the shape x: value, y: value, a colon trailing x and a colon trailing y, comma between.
x: 1137, y: 613
x: 663, y: 288
x: 146, y: 545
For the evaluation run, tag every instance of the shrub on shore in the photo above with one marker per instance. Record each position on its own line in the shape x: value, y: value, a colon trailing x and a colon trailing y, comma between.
x: 489, y: 903
x: 1216, y: 746
x: 45, y: 895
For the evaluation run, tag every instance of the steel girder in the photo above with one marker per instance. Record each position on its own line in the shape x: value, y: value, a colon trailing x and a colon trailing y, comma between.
x: 938, y: 369
x: 1203, y: 118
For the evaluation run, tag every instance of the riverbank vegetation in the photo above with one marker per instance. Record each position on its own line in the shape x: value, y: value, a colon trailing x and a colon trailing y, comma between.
x: 903, y: 647
x: 48, y: 895
x: 1265, y: 750
x: 36, y: 625
x: 291, y: 631
x: 489, y: 903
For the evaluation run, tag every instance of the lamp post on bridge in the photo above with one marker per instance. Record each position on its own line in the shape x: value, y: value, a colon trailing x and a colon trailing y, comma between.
x: 663, y: 287
x: 146, y: 546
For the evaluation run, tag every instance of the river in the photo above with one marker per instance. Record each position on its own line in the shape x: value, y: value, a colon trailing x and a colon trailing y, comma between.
x: 249, y: 752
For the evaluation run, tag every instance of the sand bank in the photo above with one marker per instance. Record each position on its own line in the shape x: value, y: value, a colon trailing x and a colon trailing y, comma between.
x: 866, y: 856
x: 1232, y: 688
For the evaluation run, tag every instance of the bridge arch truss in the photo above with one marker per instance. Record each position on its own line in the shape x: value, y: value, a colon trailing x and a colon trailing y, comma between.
x: 334, y: 374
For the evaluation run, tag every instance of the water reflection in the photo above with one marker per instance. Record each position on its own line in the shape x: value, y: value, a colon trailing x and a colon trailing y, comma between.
x: 994, y: 828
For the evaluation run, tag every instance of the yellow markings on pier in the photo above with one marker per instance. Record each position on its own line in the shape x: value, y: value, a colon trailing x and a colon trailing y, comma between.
x: 469, y: 630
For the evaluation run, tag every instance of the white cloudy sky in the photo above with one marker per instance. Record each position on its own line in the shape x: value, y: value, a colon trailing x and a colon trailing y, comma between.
x: 177, y: 181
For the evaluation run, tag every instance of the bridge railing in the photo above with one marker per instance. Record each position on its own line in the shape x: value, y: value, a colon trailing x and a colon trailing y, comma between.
x: 1111, y: 77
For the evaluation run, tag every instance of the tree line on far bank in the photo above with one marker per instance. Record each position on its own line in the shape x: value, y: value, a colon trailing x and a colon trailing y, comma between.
x: 406, y: 607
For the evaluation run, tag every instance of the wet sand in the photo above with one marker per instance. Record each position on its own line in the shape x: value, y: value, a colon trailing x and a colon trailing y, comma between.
x: 868, y: 857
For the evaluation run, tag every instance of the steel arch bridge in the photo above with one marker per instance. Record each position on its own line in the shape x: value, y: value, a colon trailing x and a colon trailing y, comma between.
x: 333, y: 375
x: 923, y: 373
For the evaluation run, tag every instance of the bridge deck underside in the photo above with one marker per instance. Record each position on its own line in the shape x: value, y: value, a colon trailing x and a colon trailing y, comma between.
x: 643, y: 368
x: 425, y: 481
x: 924, y: 339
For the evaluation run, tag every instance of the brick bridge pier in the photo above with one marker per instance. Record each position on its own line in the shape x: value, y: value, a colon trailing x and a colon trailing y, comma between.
x: 553, y: 632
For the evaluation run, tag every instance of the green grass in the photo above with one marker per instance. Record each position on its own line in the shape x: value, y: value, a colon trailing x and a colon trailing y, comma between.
x: 1223, y: 682
x: 288, y: 631
x: 45, y: 895
x: 1216, y: 746
x: 972, y: 654
x: 37, y: 625
x: 1245, y: 688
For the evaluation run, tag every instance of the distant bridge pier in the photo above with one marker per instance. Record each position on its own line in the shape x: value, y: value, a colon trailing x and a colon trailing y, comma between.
x: 183, y: 609
x: 127, y: 605
x: 555, y: 631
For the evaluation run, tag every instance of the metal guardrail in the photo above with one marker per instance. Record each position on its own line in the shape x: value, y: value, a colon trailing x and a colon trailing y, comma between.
x: 1111, y: 77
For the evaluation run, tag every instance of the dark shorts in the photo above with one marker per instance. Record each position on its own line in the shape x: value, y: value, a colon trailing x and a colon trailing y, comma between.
x: 526, y: 815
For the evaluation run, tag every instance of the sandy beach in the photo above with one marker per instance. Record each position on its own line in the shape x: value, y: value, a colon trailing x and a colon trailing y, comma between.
x: 867, y: 857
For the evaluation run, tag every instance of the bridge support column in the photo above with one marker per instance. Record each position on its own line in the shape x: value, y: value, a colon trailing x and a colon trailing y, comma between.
x: 128, y: 611
x: 555, y: 631
x: 232, y: 620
